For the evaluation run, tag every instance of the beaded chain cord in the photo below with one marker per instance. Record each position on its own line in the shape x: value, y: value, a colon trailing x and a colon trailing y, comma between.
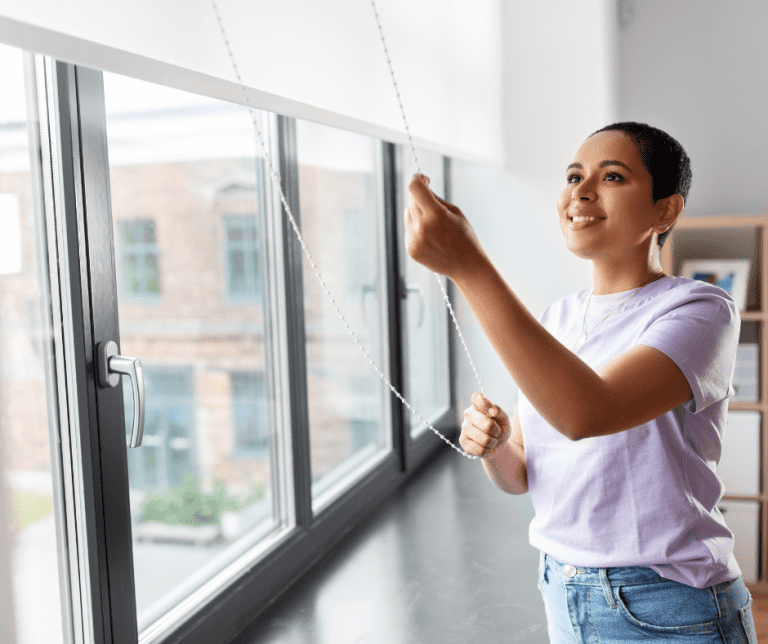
x: 289, y: 213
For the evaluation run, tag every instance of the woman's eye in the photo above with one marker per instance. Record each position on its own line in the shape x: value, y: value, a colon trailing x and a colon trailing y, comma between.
x: 613, y: 176
x: 572, y: 178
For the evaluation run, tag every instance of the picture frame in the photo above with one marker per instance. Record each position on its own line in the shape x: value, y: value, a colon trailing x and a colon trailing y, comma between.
x: 731, y: 275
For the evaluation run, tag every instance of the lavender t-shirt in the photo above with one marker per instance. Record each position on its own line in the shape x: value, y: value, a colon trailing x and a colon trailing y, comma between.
x: 646, y: 496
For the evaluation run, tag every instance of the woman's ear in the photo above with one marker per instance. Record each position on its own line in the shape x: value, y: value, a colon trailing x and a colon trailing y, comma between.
x: 679, y: 202
x: 671, y: 207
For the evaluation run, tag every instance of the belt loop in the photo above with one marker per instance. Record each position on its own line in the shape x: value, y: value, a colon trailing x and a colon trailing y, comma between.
x: 607, y: 587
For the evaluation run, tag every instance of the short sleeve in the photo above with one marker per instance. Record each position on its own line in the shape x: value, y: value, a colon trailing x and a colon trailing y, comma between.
x: 701, y: 335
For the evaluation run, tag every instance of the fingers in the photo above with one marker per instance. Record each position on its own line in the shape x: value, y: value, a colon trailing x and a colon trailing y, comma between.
x: 419, y: 188
x: 481, y: 403
x: 408, y: 218
x: 476, y: 442
x: 421, y: 195
x: 494, y: 411
x: 482, y: 423
x: 480, y: 434
x: 454, y: 209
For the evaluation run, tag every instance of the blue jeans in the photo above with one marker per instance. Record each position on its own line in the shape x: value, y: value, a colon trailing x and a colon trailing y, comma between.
x: 636, y: 604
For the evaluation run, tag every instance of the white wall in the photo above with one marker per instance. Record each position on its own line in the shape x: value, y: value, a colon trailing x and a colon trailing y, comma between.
x: 558, y: 89
x: 322, y: 61
x: 700, y: 71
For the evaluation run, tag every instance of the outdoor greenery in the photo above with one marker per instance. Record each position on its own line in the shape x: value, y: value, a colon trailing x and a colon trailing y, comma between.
x: 28, y: 507
x: 187, y: 504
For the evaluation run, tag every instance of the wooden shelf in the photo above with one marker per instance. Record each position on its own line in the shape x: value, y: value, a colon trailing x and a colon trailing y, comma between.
x: 759, y: 256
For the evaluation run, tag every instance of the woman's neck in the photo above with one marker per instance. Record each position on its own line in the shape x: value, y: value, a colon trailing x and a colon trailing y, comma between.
x: 622, y: 283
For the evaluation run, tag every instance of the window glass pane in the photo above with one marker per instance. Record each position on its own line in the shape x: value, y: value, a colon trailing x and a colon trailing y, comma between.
x: 427, y: 316
x: 29, y: 448
x: 251, y: 419
x: 188, y: 204
x: 139, y: 264
x: 243, y: 257
x: 342, y: 222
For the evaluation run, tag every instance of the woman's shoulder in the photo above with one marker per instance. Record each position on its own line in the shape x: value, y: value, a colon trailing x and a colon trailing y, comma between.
x: 668, y: 293
x: 683, y: 289
x: 683, y: 297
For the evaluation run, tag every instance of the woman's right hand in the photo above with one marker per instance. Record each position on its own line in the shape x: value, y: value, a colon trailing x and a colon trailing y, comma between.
x: 485, y: 429
x: 438, y: 235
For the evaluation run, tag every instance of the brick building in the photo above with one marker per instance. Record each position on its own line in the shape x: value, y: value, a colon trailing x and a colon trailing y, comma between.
x: 189, y: 214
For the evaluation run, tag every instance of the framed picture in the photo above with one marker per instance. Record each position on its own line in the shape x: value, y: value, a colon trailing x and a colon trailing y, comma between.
x: 731, y: 275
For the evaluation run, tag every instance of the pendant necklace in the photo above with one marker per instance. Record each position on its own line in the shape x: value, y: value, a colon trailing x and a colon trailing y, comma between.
x: 584, y: 333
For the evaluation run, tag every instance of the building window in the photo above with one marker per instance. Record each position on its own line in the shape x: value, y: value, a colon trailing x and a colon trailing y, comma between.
x: 167, y: 448
x: 359, y: 238
x: 250, y: 414
x: 140, y: 265
x: 243, y: 267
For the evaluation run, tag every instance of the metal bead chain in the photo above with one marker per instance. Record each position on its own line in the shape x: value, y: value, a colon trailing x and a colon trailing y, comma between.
x: 416, y: 162
x: 394, y: 82
x: 289, y: 213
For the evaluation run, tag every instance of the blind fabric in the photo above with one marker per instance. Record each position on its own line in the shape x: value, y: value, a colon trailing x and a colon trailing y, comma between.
x: 320, y: 61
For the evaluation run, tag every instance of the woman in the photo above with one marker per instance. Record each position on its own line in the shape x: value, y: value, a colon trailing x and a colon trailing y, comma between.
x: 623, y: 399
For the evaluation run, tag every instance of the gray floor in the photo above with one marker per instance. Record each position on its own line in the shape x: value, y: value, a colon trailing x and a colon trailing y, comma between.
x: 445, y: 560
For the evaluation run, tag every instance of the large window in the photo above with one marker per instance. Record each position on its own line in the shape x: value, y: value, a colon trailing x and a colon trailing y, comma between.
x: 40, y: 527
x: 267, y: 433
x: 202, y: 485
x: 341, y: 204
x: 426, y: 314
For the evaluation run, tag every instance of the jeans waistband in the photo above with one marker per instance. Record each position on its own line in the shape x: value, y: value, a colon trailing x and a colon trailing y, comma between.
x: 605, y: 577
x: 616, y: 575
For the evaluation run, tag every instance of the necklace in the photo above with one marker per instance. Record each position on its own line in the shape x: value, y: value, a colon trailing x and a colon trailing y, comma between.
x: 585, y: 334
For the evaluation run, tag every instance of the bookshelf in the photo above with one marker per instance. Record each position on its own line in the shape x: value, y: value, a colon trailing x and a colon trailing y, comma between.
x: 738, y: 237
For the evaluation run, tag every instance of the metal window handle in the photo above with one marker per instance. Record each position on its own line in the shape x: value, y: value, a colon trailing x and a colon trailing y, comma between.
x: 111, y: 367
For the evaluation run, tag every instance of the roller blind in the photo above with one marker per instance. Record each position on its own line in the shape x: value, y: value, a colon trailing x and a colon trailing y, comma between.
x: 321, y: 61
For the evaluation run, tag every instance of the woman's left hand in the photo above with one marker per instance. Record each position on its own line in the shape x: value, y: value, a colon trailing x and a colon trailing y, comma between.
x: 437, y: 234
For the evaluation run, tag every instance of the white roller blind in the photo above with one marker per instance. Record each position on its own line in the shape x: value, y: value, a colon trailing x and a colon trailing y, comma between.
x: 322, y: 61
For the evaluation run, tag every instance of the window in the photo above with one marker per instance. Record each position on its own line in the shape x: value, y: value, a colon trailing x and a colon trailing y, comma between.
x: 243, y: 267
x: 197, y: 501
x: 426, y: 314
x: 267, y: 432
x: 360, y: 272
x: 141, y: 272
x: 341, y: 207
x: 250, y: 414
x: 169, y: 424
x: 38, y: 532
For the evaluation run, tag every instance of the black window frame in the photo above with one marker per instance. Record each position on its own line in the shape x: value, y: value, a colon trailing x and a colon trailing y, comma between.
x: 80, y: 122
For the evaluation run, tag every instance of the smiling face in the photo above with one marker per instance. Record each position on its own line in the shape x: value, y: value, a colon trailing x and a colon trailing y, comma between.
x: 608, y: 181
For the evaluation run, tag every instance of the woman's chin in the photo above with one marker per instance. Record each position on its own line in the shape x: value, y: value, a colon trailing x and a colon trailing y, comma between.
x: 582, y: 251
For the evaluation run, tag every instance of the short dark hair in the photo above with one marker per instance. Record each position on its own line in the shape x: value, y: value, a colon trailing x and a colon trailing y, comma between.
x: 663, y: 157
